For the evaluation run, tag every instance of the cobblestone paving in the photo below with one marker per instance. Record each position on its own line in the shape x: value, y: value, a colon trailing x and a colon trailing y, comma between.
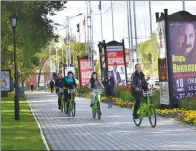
x: 115, y: 130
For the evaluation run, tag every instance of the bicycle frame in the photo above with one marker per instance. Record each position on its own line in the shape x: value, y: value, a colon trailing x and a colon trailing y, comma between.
x: 143, y: 110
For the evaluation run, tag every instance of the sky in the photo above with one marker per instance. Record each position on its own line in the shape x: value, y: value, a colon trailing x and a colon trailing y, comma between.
x: 120, y: 18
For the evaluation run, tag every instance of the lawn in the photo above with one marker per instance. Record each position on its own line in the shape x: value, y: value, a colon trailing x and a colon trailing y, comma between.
x: 19, y: 135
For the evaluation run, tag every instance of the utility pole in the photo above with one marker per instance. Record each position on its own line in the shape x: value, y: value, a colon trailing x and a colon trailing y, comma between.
x: 100, y: 8
x: 112, y: 20
x: 152, y: 48
x: 131, y: 31
x: 136, y: 45
x: 183, y: 5
x: 128, y: 25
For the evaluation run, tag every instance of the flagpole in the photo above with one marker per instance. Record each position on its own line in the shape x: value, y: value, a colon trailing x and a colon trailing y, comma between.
x: 131, y: 32
x: 152, y: 48
x: 101, y: 20
x: 112, y: 20
x: 135, y: 27
x: 183, y: 5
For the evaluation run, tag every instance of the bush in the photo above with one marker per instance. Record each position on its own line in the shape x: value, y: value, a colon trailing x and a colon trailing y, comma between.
x: 188, y: 103
x: 83, y: 90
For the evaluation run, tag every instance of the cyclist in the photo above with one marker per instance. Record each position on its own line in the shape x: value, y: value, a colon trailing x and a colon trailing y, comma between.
x: 138, y: 84
x: 58, y: 85
x: 70, y: 83
x: 94, y: 83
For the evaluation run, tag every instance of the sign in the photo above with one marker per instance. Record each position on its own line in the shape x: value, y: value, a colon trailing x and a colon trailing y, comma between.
x: 67, y: 69
x: 5, y: 80
x: 164, y: 93
x: 116, y: 64
x: 182, y: 52
x: 85, y: 72
x: 41, y: 82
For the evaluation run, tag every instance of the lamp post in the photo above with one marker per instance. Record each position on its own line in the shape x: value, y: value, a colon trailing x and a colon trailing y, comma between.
x: 68, y: 36
x: 13, y: 19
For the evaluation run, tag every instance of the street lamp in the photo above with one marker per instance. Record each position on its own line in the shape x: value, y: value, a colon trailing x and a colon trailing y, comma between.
x: 13, y: 20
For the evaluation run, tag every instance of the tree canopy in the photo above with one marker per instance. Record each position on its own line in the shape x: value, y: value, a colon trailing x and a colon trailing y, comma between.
x: 34, y: 31
x: 145, y: 52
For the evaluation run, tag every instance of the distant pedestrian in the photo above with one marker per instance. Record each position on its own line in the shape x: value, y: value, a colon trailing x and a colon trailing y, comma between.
x: 52, y: 86
x: 32, y: 87
x: 109, y: 84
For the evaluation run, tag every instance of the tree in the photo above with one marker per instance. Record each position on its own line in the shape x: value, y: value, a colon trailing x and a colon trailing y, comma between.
x: 34, y: 31
x: 146, y: 55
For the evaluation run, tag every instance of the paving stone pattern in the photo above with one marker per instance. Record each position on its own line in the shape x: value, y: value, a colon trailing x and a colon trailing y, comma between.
x: 115, y: 130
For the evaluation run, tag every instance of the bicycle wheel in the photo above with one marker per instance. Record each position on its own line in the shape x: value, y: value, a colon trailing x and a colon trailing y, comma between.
x: 69, y: 108
x: 73, y: 108
x: 94, y: 110
x: 138, y: 121
x: 62, y: 104
x: 65, y: 107
x: 98, y: 110
x: 152, y: 116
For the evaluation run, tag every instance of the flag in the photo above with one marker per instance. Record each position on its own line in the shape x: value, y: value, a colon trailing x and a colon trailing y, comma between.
x: 99, y: 5
x: 84, y: 22
x: 78, y: 27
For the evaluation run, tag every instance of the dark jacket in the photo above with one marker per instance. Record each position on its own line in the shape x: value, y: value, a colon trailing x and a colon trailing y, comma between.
x: 69, y: 85
x: 58, y: 84
x: 52, y: 84
x: 139, y: 81
x: 109, y: 83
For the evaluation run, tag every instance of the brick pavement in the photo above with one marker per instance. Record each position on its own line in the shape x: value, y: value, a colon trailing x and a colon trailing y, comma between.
x: 115, y: 130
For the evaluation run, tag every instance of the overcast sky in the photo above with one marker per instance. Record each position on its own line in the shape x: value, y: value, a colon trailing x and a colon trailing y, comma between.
x: 120, y: 17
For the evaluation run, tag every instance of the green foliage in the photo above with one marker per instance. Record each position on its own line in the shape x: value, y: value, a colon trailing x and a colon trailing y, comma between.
x: 15, y: 133
x: 188, y: 103
x: 33, y: 32
x: 145, y: 52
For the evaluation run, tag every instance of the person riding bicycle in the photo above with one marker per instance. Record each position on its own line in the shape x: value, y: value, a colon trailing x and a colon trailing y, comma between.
x: 58, y: 85
x: 70, y: 83
x: 138, y: 84
x: 94, y: 83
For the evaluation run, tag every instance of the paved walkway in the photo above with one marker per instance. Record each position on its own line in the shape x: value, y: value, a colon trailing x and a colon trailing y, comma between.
x: 115, y: 130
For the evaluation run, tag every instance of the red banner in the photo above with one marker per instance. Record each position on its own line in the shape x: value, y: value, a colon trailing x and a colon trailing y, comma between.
x: 85, y: 72
x: 115, y: 55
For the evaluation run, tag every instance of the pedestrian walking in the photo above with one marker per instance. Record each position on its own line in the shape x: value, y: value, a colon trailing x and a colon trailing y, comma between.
x: 51, y: 86
x: 109, y: 84
x: 32, y: 87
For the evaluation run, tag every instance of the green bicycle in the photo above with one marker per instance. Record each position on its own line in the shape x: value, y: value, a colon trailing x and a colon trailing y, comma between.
x: 96, y: 105
x: 72, y: 104
x: 146, y: 110
x: 63, y: 103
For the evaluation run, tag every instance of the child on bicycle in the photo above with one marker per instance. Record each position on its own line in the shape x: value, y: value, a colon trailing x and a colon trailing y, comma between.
x: 69, y: 83
x: 94, y: 83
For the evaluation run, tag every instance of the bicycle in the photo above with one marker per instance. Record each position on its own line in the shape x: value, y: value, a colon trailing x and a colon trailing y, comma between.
x: 72, y: 104
x: 145, y: 110
x: 63, y: 103
x: 96, y: 104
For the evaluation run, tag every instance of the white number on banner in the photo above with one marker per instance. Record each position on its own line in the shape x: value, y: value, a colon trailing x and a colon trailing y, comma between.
x: 179, y: 83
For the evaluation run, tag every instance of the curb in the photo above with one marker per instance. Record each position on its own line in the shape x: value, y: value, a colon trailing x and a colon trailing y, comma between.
x: 41, y: 131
